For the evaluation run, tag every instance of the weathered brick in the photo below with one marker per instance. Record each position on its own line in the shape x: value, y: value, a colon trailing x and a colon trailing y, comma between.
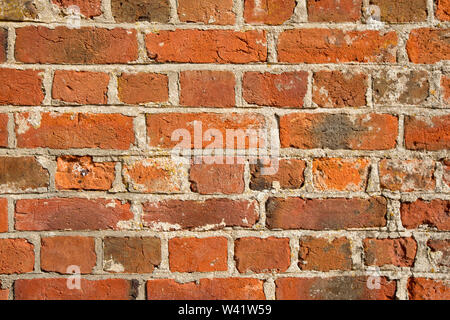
x: 87, y: 45
x: 400, y: 252
x: 401, y: 11
x: 439, y: 252
x: 206, y: 289
x: 321, y: 254
x: 21, y: 87
x: 446, y: 173
x: 435, y: 214
x: 206, y: 11
x: 337, y: 89
x: 22, y: 174
x: 290, y: 175
x: 201, y: 215
x: 427, y: 132
x: 154, y: 175
x: 207, y: 46
x: 262, y: 254
x: 3, y: 44
x: 407, y: 175
x: 207, y: 88
x: 336, y: 46
x: 4, y: 129
x: 143, y: 88
x: 428, y: 45
x: 88, y: 8
x: 57, y: 289
x: 428, y: 289
x: 131, y: 254
x: 161, y: 126
x: 445, y: 85
x: 338, y: 131
x: 80, y: 87
x: 71, y: 214
x: 287, y: 89
x: 335, y: 288
x: 217, y: 178
x: 443, y: 10
x: 404, y: 87
x: 3, y: 215
x: 271, y: 12
x: 74, y: 130
x: 18, y: 10
x: 81, y: 173
x: 141, y: 10
x: 326, y: 214
x: 4, y: 293
x: 58, y: 254
x: 198, y: 255
x: 16, y: 256
x: 334, y: 10
x: 340, y: 174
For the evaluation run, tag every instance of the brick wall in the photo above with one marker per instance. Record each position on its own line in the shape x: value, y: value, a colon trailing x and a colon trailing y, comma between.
x: 357, y: 92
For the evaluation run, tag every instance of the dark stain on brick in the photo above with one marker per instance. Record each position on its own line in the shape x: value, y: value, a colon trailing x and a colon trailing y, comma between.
x: 22, y: 173
x: 335, y: 132
x: 141, y: 10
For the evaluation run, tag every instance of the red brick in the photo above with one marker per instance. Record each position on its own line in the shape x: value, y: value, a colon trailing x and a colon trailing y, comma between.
x: 338, y: 131
x: 340, y: 174
x: 143, y: 88
x: 428, y: 45
x: 60, y: 253
x: 206, y: 289
x: 446, y: 173
x: 57, y: 289
x: 198, y: 255
x: 290, y: 175
x: 287, y: 89
x: 3, y: 44
x: 336, y: 89
x: 324, y: 214
x: 334, y: 10
x: 445, y: 85
x: 336, y: 288
x: 161, y: 126
x: 402, y: 11
x: 154, y: 175
x: 131, y: 254
x: 202, y: 215
x: 399, y: 252
x: 21, y: 87
x: 88, y: 8
x: 271, y: 12
x: 87, y: 45
x: 439, y: 252
x: 74, y: 130
x: 81, y: 173
x: 427, y: 133
x: 207, y: 46
x: 322, y: 254
x: 407, y: 175
x: 428, y: 289
x: 3, y: 215
x: 4, y: 293
x: 336, y: 46
x: 71, y: 214
x: 22, y: 174
x: 443, y: 10
x: 435, y: 214
x: 207, y: 89
x: 4, y: 118
x: 16, y: 256
x: 206, y: 11
x: 80, y: 87
x: 217, y: 178
x: 262, y: 255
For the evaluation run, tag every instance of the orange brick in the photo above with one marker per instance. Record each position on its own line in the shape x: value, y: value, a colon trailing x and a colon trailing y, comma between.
x: 3, y: 215
x: 399, y: 252
x: 334, y: 10
x: 143, y: 88
x: 16, y: 256
x: 206, y: 11
x: 4, y: 129
x: 271, y: 12
x: 322, y: 254
x: 428, y: 289
x: 290, y: 175
x: 427, y: 45
x: 427, y: 133
x: 433, y: 213
x: 21, y: 87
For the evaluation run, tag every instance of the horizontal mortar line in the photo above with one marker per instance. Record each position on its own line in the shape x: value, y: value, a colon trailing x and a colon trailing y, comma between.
x: 157, y: 26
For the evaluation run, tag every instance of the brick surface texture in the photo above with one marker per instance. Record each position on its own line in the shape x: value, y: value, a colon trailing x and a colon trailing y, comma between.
x: 114, y: 126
